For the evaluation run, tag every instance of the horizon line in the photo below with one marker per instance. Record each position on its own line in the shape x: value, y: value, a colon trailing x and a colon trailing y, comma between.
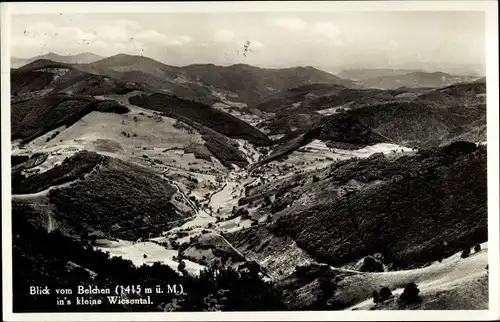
x: 268, y: 66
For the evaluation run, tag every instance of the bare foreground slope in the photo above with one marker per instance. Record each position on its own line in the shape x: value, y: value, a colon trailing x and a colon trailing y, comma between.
x: 258, y: 190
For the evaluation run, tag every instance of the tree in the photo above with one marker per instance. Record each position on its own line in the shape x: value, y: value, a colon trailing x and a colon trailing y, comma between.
x: 370, y: 264
x: 267, y: 200
x: 375, y: 297
x: 244, y: 213
x: 465, y: 252
x: 410, y: 293
x: 182, y: 266
x: 384, y: 293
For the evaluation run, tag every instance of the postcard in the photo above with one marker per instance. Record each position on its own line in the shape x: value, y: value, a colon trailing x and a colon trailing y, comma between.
x: 250, y: 161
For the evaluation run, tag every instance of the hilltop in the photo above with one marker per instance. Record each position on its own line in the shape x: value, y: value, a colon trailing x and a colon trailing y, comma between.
x: 45, y: 77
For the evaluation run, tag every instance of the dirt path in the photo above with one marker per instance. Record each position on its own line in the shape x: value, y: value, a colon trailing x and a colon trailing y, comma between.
x: 43, y: 193
x: 232, y: 247
x: 188, y: 201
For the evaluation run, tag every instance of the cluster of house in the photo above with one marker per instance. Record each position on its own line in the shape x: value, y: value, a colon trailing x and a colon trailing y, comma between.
x: 65, y: 150
x: 70, y: 149
x: 159, y: 166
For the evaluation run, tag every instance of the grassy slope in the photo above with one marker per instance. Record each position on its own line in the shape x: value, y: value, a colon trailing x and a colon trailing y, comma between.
x: 453, y: 284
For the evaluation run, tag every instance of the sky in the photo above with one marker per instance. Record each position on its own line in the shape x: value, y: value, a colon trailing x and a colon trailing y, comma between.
x: 331, y: 40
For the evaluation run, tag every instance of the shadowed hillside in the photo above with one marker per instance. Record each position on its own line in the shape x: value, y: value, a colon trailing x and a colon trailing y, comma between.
x: 306, y: 99
x: 435, y: 208
x: 419, y: 124
x: 139, y: 201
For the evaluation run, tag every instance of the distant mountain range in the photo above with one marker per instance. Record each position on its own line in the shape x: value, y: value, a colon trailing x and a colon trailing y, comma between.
x: 83, y: 58
x: 209, y: 83
x: 364, y: 73
x: 395, y: 78
x: 416, y: 79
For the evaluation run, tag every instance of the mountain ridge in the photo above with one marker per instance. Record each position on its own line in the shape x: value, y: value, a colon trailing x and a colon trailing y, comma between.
x: 203, y: 82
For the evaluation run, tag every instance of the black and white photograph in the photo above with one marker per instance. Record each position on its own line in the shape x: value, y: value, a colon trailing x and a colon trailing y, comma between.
x: 314, y: 160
